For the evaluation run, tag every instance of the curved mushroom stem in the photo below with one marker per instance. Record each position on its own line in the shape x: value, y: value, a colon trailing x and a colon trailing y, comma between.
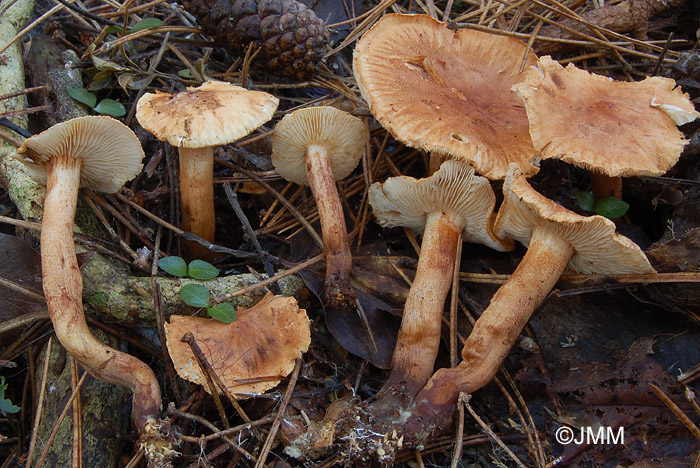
x: 419, y: 338
x: 496, y: 331
x: 338, y: 292
x: 197, y: 198
x: 63, y: 287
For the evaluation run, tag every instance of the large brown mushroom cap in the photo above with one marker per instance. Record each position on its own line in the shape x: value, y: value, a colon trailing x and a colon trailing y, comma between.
x: 215, y: 113
x: 264, y: 341
x: 342, y: 135
x: 465, y: 198
x: 614, y: 127
x: 449, y: 92
x: 111, y: 153
x: 598, y: 248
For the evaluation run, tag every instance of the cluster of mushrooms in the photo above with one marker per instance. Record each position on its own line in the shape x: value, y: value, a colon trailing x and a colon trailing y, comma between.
x: 312, y: 146
x: 459, y: 96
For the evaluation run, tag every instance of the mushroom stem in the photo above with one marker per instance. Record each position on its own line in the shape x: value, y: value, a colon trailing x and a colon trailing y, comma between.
x: 338, y: 292
x: 197, y: 198
x: 63, y: 286
x: 499, y: 326
x: 605, y: 186
x: 419, y: 337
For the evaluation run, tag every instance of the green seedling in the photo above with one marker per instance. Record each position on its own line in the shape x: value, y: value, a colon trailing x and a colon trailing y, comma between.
x: 104, y: 107
x: 610, y: 207
x: 196, y: 295
x: 6, y: 405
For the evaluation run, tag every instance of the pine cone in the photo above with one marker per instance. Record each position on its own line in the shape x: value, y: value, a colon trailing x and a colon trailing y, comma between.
x: 292, y: 37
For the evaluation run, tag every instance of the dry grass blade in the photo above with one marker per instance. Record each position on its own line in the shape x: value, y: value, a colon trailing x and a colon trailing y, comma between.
x: 677, y: 411
x: 464, y: 400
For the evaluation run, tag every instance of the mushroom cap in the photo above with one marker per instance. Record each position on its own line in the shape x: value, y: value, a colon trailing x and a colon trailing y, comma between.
x: 263, y: 341
x: 111, y: 152
x: 466, y: 198
x: 447, y: 91
x: 341, y: 134
x: 215, y: 113
x: 615, y: 127
x: 598, y: 248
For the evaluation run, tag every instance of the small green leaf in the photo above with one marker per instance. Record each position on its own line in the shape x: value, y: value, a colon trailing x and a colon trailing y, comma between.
x: 201, y: 270
x: 114, y: 29
x: 146, y: 23
x: 110, y: 107
x: 186, y: 73
x: 195, y: 295
x: 610, y: 207
x: 585, y: 201
x: 82, y: 95
x: 174, y: 265
x: 223, y: 312
x: 7, y: 406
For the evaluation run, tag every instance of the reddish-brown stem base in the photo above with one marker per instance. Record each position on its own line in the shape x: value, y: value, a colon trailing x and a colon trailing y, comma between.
x: 419, y: 337
x: 496, y: 331
x: 338, y: 293
x: 63, y: 287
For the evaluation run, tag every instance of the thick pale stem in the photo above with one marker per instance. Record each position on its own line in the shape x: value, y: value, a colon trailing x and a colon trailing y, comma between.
x: 499, y: 326
x: 419, y: 338
x: 63, y: 286
x: 197, y: 198
x: 338, y: 291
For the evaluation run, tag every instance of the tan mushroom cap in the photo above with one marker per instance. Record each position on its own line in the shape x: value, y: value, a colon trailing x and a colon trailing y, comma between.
x: 341, y: 134
x: 111, y: 152
x: 598, y: 248
x: 263, y: 341
x: 466, y: 198
x: 448, y: 92
x: 215, y: 113
x: 614, y: 127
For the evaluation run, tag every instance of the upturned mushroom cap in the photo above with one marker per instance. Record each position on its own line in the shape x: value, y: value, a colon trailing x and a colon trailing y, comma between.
x: 342, y: 135
x: 264, y: 341
x: 466, y: 198
x: 110, y: 151
x: 447, y: 91
x: 614, y: 127
x: 598, y: 248
x: 215, y: 113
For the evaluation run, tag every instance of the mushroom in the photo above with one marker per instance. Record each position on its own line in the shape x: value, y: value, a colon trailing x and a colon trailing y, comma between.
x: 447, y: 92
x: 317, y: 146
x: 612, y: 128
x: 263, y: 341
x: 556, y: 238
x: 452, y: 205
x: 196, y: 120
x: 99, y: 153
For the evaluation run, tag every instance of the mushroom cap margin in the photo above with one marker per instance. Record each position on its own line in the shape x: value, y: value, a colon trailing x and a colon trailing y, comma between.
x: 598, y: 248
x: 215, y: 113
x: 466, y: 198
x: 341, y: 134
x: 111, y: 152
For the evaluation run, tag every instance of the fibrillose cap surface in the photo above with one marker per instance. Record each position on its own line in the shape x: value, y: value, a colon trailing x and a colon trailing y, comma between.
x: 263, y: 341
x: 342, y: 135
x: 215, y: 113
x: 448, y: 92
x: 614, y: 127
x: 466, y: 198
x: 111, y: 152
x: 598, y: 248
